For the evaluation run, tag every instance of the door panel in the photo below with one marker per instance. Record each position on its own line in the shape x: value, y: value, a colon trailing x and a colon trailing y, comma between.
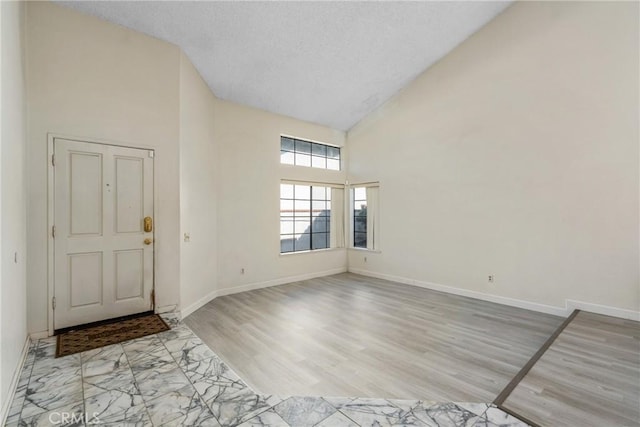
x: 102, y: 267
x: 85, y: 279
x: 129, y: 272
x: 129, y: 195
x: 85, y: 201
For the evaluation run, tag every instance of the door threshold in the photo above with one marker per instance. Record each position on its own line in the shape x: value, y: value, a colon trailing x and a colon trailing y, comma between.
x: 101, y: 322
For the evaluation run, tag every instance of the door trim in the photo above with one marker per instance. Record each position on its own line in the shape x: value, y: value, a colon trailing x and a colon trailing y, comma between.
x: 51, y: 137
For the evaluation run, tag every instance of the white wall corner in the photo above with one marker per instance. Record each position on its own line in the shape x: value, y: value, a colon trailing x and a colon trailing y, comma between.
x: 167, y: 309
x: 39, y: 335
x: 6, y: 405
x: 603, y: 309
x: 199, y: 303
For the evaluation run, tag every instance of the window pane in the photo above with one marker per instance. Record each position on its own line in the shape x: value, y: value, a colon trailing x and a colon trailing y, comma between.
x: 287, y: 157
x: 302, y: 226
x: 360, y: 240
x: 303, y: 242
x: 319, y: 207
x: 333, y: 164
x: 319, y: 193
x: 360, y: 193
x: 302, y: 208
x: 303, y: 159
x: 333, y: 153
x: 286, y: 243
x: 286, y: 191
x: 359, y: 221
x: 320, y: 225
x: 286, y: 226
x: 286, y: 143
x: 286, y: 207
x: 320, y: 241
x: 318, y: 162
x: 319, y: 150
x: 303, y: 147
x: 303, y: 192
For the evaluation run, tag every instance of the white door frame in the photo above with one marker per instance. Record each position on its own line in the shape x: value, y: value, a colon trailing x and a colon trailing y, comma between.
x: 51, y: 137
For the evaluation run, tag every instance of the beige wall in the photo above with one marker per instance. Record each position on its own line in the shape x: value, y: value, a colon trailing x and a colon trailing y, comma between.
x: 516, y: 155
x: 13, y: 305
x: 91, y: 79
x: 198, y: 178
x: 249, y: 193
x: 214, y: 177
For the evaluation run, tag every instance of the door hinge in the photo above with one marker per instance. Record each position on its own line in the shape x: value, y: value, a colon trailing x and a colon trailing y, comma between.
x: 53, y: 303
x: 53, y: 160
x: 53, y: 231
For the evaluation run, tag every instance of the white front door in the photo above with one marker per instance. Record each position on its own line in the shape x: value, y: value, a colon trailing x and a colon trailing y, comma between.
x: 103, y: 257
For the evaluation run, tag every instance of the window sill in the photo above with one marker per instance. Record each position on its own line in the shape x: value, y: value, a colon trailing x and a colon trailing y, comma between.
x: 373, y: 251
x: 286, y: 254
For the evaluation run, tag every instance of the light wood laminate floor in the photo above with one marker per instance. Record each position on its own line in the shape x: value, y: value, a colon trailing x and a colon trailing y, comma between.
x: 590, y: 376
x: 350, y: 335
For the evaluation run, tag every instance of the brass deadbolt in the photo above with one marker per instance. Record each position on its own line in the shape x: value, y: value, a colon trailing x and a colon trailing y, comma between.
x: 148, y: 224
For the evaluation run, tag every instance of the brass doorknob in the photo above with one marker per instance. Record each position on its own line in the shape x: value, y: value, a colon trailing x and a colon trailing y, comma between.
x: 148, y: 241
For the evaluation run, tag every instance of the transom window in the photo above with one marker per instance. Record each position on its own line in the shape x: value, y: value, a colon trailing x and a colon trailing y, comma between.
x: 311, y: 154
x: 305, y: 217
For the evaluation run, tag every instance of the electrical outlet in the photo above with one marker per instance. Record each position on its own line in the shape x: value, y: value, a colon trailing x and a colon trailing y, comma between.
x: 492, y: 278
x: 187, y: 237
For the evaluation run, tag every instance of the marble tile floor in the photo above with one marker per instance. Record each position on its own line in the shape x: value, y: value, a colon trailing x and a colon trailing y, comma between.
x: 174, y: 379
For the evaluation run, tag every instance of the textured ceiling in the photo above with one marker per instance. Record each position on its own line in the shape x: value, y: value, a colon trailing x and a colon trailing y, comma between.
x: 330, y: 63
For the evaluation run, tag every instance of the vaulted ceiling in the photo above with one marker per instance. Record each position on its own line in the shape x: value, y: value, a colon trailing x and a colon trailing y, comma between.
x: 325, y: 62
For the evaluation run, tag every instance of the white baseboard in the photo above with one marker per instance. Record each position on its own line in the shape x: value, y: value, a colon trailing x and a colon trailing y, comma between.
x: 280, y: 281
x: 6, y: 405
x: 549, y: 309
x: 257, y: 285
x: 39, y: 335
x: 570, y: 305
x: 603, y: 309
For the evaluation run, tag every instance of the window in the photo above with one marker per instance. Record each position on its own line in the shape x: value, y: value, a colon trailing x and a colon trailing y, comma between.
x: 311, y: 154
x: 360, y: 217
x: 364, y: 217
x: 305, y: 217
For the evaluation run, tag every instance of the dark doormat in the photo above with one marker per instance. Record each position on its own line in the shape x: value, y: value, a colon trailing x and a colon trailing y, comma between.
x: 78, y: 340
